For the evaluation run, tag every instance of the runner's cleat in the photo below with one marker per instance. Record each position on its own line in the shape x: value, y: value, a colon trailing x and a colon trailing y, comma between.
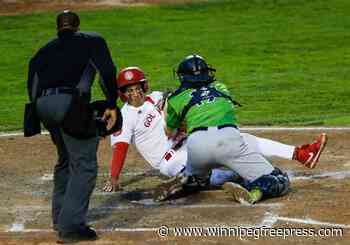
x: 309, y: 154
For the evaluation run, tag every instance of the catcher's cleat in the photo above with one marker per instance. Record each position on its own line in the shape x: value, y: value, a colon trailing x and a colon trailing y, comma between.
x: 181, y: 186
x: 242, y: 195
x: 309, y: 154
x: 170, y: 189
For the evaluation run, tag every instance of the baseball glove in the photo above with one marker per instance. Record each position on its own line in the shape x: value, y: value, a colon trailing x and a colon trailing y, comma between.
x: 99, y: 108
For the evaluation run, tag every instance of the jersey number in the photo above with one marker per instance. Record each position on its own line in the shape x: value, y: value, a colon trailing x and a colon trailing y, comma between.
x: 203, y: 95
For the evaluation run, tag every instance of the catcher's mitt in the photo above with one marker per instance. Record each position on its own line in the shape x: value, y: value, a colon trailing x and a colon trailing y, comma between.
x: 99, y: 108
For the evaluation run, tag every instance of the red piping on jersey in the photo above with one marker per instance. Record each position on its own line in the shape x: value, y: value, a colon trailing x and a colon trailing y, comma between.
x: 118, y: 158
x: 149, y: 99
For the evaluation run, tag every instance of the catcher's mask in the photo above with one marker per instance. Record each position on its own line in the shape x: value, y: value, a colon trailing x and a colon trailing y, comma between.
x: 194, y: 69
x: 67, y: 20
x: 130, y: 76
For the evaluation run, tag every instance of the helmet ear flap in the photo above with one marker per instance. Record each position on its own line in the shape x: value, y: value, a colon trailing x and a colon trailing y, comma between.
x: 145, y: 86
x: 122, y: 96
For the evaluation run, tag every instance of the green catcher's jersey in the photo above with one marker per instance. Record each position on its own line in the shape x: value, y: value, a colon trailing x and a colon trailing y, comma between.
x: 210, y: 111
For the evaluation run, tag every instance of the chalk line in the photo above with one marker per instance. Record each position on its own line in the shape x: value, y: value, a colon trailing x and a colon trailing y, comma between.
x: 33, y: 208
x: 291, y: 174
x: 312, y: 222
x: 333, y: 175
x: 268, y: 222
x: 20, y: 228
x: 270, y: 218
x: 149, y: 172
x: 19, y: 224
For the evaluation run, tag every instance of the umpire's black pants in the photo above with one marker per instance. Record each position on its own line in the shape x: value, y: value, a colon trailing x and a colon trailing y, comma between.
x: 75, y: 173
x: 74, y: 180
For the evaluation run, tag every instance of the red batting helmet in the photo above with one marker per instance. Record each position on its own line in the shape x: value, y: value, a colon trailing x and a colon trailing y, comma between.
x: 130, y: 76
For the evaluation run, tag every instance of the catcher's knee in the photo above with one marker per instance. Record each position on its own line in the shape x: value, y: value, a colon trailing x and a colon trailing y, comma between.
x: 272, y: 185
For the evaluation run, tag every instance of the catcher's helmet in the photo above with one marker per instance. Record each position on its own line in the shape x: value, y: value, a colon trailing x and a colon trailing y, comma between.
x: 130, y: 76
x: 67, y: 20
x: 194, y: 69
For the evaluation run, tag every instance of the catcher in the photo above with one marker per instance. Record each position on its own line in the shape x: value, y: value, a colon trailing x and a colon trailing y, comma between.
x: 214, y: 140
x: 144, y: 124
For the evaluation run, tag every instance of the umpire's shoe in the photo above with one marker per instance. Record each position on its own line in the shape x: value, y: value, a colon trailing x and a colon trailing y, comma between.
x: 85, y: 233
x: 242, y: 195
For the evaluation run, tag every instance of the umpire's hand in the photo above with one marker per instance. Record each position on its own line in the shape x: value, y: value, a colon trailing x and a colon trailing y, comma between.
x: 110, y: 116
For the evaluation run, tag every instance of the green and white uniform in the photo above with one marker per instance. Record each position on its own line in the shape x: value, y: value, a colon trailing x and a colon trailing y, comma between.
x: 212, y: 111
x: 214, y: 140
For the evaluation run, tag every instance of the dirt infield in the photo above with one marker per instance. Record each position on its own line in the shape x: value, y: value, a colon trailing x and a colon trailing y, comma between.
x: 317, y: 204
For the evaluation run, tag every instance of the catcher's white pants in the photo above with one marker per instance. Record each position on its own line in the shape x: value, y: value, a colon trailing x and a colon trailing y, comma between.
x: 215, y: 147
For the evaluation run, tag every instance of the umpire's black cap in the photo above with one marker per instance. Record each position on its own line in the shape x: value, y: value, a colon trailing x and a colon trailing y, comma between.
x: 67, y: 20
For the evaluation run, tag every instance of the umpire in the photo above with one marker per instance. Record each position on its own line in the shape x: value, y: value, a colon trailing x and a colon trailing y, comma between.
x: 62, y: 73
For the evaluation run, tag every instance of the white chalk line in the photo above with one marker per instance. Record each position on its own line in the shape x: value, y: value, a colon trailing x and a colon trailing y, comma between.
x: 49, y: 177
x: 268, y: 222
x: 38, y: 208
x: 20, y: 228
x: 16, y: 133
x: 19, y: 133
x: 338, y: 175
x: 333, y: 175
x: 269, y: 219
x: 19, y: 224
x: 312, y: 222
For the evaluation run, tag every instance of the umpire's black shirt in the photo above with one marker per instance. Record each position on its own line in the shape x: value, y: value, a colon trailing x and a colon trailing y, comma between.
x: 61, y: 62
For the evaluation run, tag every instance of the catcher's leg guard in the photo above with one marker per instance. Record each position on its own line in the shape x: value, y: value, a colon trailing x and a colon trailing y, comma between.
x: 272, y: 185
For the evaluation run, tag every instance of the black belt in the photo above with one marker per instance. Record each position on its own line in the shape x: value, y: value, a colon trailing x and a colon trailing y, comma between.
x: 59, y: 90
x: 219, y: 127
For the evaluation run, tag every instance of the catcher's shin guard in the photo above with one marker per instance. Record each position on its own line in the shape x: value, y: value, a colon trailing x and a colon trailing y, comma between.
x: 272, y: 185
